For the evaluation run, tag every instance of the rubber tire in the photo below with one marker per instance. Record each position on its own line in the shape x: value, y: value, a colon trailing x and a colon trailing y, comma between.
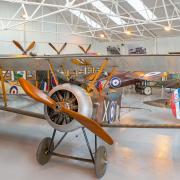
x: 100, y: 161
x: 42, y: 156
x: 149, y: 92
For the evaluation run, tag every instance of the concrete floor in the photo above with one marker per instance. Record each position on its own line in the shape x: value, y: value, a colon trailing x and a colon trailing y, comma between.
x: 136, y: 154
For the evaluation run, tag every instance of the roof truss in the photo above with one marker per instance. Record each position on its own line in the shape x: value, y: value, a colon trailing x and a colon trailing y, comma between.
x: 167, y: 14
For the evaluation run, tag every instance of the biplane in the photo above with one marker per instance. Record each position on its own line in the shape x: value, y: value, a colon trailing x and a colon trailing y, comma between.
x: 69, y: 106
x: 119, y: 79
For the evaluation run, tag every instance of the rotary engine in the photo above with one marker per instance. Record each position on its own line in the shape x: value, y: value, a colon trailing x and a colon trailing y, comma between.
x: 74, y: 98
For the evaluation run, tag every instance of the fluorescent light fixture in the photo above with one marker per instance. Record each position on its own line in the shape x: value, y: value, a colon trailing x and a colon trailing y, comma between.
x: 111, y: 15
x: 85, y: 18
x: 142, y: 9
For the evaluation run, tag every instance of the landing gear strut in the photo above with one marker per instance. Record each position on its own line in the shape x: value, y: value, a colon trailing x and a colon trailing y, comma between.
x: 143, y: 88
x: 47, y: 149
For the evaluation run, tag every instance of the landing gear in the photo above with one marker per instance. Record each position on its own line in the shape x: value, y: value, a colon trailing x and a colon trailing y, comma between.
x: 143, y: 88
x: 43, y: 154
x: 47, y: 149
x: 100, y: 161
x: 147, y: 90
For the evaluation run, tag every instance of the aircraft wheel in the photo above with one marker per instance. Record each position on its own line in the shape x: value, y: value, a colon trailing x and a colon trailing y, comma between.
x: 100, y: 161
x: 147, y: 90
x: 42, y: 154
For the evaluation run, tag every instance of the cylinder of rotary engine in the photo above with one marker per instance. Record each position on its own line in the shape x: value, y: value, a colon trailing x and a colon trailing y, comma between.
x: 76, y: 99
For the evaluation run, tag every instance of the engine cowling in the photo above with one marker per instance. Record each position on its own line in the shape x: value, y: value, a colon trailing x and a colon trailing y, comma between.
x: 76, y: 99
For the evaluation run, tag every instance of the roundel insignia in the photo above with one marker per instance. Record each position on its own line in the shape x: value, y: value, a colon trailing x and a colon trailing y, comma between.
x: 115, y: 82
x: 112, y: 112
x: 175, y: 103
x: 13, y: 90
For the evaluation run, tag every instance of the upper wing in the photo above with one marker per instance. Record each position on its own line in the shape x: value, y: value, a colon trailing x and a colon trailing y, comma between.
x: 145, y: 63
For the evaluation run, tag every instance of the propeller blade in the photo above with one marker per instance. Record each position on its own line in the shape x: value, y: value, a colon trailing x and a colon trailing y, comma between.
x: 18, y: 45
x: 90, y: 124
x: 80, y: 62
x: 31, y: 46
x: 37, y: 94
x: 82, y: 49
x: 53, y: 47
x: 88, y: 48
x: 64, y: 45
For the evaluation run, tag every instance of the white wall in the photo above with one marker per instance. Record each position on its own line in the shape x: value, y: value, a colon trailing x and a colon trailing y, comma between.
x: 164, y: 45
x: 40, y: 32
x: 43, y: 33
x: 168, y: 44
x: 148, y: 44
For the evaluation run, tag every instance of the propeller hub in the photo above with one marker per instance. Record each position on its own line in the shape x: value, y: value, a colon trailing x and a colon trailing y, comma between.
x: 58, y: 107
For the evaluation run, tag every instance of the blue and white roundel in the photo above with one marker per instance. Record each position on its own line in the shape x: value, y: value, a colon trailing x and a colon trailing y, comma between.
x: 115, y: 82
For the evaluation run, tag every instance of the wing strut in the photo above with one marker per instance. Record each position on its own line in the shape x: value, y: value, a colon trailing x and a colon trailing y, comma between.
x: 3, y: 88
x: 92, y: 83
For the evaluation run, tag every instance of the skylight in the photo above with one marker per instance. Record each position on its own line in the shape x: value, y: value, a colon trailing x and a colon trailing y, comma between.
x: 103, y: 8
x: 142, y: 9
x: 85, y: 18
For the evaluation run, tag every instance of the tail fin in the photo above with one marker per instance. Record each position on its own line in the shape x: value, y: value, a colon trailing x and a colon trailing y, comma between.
x: 175, y: 103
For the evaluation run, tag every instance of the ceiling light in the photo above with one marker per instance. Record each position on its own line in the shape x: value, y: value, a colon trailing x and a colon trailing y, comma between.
x: 167, y: 28
x: 24, y: 16
x: 85, y: 18
x: 102, y: 35
x: 128, y: 32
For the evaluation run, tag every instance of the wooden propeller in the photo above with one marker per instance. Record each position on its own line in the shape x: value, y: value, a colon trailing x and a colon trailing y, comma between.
x: 53, y: 47
x: 62, y: 48
x: 81, y: 62
x: 90, y: 124
x: 85, y: 51
x: 24, y: 52
x: 82, y: 49
x: 17, y: 44
x: 88, y: 48
x: 31, y: 46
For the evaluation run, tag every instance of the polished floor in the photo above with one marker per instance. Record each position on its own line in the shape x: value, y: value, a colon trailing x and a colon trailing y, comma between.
x: 142, y: 154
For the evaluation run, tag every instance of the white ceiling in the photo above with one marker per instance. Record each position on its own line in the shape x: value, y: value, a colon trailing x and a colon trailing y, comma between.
x: 166, y: 11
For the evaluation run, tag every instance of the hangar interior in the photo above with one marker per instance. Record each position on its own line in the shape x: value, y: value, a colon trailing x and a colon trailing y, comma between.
x: 113, y: 66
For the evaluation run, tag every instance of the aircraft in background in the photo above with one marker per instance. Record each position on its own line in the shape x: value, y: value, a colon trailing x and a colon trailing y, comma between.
x: 119, y: 79
x: 170, y: 84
